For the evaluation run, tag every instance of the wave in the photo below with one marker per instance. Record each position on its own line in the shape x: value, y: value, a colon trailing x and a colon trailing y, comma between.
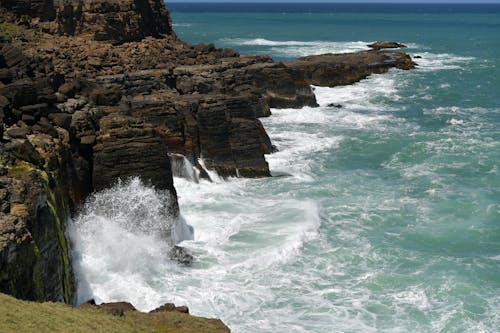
x: 129, y: 218
x: 294, y: 48
x: 441, y: 61
x: 183, y: 25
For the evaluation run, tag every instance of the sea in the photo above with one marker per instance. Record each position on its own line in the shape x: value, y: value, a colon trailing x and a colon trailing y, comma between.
x: 383, y: 215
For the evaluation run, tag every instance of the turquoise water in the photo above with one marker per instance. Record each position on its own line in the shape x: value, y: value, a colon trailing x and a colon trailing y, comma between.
x: 390, y: 218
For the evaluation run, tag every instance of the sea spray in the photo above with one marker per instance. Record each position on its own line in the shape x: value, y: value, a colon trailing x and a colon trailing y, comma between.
x: 183, y: 168
x: 122, y: 237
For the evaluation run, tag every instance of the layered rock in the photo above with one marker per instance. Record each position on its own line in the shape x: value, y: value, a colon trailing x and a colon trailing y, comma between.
x: 118, y: 21
x: 126, y: 147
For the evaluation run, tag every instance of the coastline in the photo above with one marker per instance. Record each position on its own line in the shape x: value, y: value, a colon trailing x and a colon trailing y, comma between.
x: 81, y: 108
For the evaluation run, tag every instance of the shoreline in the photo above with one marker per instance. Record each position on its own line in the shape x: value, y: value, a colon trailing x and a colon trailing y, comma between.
x: 82, y: 107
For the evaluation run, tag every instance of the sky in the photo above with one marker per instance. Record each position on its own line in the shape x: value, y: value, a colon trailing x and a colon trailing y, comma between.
x: 347, y: 1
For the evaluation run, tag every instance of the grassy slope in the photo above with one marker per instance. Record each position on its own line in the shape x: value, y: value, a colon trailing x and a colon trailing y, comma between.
x: 20, y: 316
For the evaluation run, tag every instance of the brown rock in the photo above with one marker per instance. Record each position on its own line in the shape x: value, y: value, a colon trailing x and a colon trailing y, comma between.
x: 128, y: 147
x: 386, y: 45
x: 342, y: 69
x: 19, y: 210
x: 61, y: 119
x: 17, y: 132
x: 110, y: 95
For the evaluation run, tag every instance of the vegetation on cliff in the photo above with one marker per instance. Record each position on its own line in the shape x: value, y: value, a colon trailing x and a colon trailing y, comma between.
x: 31, y: 317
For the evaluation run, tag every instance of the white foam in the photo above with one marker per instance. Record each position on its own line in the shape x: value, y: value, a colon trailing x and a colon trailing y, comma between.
x: 454, y: 121
x: 441, y: 61
x: 294, y: 48
x: 121, y: 238
x: 367, y: 94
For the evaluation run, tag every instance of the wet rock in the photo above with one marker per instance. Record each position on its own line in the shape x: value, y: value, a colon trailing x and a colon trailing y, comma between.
x: 386, y: 45
x: 128, y: 147
x: 334, y: 105
x: 343, y: 69
x: 181, y: 255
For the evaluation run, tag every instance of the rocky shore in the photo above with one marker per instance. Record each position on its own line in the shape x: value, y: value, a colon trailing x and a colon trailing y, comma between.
x: 92, y: 91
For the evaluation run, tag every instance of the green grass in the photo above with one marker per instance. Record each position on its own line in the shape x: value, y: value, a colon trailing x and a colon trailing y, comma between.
x: 27, y: 317
x: 10, y: 30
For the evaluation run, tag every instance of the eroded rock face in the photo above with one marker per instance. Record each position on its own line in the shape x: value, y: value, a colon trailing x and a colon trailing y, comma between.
x: 35, y: 254
x: 116, y: 20
x: 127, y: 147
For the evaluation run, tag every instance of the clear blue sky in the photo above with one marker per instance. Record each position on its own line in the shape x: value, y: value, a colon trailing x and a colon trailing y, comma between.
x: 348, y: 1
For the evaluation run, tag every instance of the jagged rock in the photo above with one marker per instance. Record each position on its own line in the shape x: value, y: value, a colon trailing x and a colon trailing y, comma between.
x: 181, y: 255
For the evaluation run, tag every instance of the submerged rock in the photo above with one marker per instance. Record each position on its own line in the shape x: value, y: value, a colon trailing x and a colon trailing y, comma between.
x: 181, y: 255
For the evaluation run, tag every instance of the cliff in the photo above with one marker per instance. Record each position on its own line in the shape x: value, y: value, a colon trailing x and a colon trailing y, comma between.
x: 92, y: 91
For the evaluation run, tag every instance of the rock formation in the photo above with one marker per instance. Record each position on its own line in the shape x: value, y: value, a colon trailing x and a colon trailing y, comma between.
x: 92, y: 91
x: 332, y: 70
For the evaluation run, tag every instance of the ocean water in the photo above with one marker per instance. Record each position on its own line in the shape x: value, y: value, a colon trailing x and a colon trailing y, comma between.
x: 389, y: 218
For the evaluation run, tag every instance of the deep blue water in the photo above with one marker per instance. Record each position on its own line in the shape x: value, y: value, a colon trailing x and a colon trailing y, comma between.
x: 390, y: 220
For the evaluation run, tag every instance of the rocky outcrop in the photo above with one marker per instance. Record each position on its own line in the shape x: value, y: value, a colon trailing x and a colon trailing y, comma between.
x: 117, y: 21
x: 342, y: 69
x: 386, y: 45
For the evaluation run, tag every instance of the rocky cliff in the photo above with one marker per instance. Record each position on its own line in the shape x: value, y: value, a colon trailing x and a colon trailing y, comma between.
x: 92, y: 91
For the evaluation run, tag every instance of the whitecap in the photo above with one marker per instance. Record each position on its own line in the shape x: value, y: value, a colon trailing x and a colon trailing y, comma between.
x: 441, y: 61
x: 293, y: 48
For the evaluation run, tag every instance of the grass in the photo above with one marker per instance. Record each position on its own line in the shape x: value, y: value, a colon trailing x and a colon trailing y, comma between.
x: 10, y: 30
x: 27, y: 317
